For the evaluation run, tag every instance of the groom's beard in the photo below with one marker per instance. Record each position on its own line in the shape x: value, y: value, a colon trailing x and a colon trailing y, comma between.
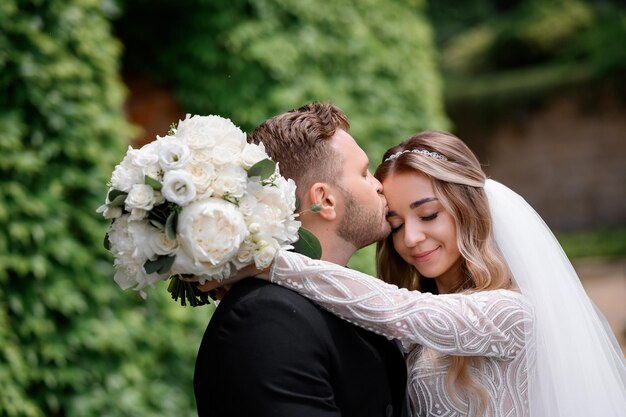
x: 362, y: 225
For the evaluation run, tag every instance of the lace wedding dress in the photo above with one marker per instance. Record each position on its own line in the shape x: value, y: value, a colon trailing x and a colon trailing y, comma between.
x: 493, y: 325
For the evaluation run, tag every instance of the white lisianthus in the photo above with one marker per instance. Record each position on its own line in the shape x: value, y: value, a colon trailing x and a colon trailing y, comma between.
x: 211, y: 231
x: 230, y: 180
x: 174, y: 154
x: 178, y: 187
x: 140, y: 196
x: 127, y: 173
x: 253, y: 153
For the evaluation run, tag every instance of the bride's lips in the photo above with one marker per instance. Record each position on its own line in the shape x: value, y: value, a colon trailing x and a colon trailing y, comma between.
x: 425, y: 256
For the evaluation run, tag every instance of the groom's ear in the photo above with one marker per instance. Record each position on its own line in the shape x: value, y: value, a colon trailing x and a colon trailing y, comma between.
x: 323, y: 194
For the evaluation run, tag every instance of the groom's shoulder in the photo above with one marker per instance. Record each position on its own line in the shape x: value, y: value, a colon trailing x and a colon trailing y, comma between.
x: 257, y: 293
x: 256, y: 300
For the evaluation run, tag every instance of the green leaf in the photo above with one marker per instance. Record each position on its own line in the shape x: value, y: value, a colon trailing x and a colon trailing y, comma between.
x: 157, y: 224
x: 170, y: 225
x: 113, y: 194
x: 107, y: 242
x: 160, y: 265
x: 155, y: 184
x: 308, y: 244
x: 118, y: 201
x: 264, y: 169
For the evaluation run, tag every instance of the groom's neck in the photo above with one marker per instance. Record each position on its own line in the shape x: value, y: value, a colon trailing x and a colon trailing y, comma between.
x: 336, y: 250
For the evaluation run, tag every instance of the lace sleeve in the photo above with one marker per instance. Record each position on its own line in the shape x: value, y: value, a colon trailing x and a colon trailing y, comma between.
x: 488, y: 323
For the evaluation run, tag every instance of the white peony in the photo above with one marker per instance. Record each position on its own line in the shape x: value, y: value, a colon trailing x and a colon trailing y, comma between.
x: 140, y: 196
x: 210, y: 231
x: 230, y: 180
x: 173, y: 154
x: 201, y: 132
x: 178, y: 187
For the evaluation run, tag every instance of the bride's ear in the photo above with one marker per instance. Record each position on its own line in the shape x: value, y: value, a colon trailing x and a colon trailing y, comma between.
x: 323, y: 197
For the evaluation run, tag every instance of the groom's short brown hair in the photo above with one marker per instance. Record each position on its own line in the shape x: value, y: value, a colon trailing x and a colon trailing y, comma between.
x: 299, y: 141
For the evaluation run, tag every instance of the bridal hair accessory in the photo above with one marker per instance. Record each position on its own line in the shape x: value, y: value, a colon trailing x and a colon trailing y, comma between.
x: 424, y: 152
x: 577, y: 367
x: 198, y: 204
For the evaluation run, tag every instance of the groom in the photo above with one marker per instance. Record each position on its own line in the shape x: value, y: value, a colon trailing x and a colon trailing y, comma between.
x: 268, y: 351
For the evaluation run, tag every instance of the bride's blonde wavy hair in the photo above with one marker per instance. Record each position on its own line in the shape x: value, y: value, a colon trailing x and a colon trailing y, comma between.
x: 458, y: 184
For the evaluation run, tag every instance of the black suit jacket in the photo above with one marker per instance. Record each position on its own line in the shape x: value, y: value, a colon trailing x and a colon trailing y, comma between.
x: 268, y: 351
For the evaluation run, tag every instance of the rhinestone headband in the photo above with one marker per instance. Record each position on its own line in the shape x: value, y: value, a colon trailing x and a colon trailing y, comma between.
x: 418, y: 151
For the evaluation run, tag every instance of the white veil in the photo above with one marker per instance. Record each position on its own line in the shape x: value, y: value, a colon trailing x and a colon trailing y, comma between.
x: 580, y: 370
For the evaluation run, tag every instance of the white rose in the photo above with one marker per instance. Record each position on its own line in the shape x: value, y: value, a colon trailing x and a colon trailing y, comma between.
x: 138, y: 214
x: 245, y: 255
x: 140, y: 196
x: 160, y: 244
x: 211, y: 231
x: 203, y: 175
x: 178, y: 187
x: 266, y: 253
x: 253, y: 153
x: 231, y: 180
x: 127, y: 173
x: 173, y: 154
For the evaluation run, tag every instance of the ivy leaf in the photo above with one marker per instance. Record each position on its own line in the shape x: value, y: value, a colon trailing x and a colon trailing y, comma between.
x: 307, y: 244
x: 160, y: 265
x: 155, y: 184
x: 264, y: 169
x: 170, y: 225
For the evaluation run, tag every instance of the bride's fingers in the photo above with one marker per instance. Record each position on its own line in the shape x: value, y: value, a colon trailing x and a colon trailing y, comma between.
x: 210, y: 285
x: 247, y: 271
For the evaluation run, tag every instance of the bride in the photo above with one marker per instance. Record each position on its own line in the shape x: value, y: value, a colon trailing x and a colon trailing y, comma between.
x: 491, y: 313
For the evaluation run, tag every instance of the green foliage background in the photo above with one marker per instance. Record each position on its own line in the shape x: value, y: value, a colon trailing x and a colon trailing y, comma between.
x: 249, y: 60
x: 71, y: 343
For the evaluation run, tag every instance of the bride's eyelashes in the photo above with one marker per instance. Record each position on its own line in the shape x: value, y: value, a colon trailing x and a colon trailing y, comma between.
x: 430, y: 217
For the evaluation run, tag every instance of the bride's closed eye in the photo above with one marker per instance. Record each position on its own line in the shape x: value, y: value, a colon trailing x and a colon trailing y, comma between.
x: 429, y: 217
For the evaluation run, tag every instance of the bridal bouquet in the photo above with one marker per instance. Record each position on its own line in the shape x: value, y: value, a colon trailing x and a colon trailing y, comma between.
x: 198, y: 204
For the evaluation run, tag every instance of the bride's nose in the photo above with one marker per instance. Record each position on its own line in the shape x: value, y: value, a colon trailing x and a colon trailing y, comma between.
x: 413, y: 234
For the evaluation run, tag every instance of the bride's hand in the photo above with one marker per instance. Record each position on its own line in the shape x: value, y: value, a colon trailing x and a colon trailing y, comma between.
x: 248, y: 271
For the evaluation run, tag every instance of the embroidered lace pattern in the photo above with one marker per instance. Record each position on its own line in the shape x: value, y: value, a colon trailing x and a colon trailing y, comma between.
x: 493, y: 325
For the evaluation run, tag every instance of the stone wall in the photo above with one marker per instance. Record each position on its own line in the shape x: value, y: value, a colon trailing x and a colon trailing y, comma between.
x: 565, y: 155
